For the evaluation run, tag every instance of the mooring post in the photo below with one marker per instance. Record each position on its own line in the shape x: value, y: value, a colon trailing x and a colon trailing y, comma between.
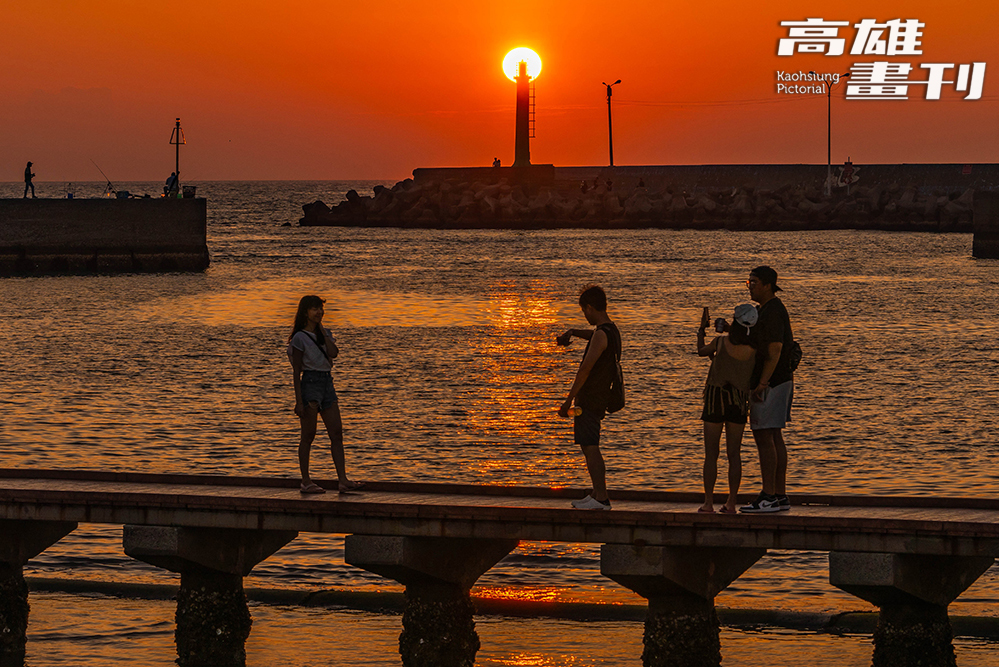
x: 438, y: 572
x: 680, y: 584
x: 213, y: 620
x: 912, y: 593
x: 20, y: 541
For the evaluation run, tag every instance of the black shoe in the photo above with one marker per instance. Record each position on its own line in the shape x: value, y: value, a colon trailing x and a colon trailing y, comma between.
x: 783, y: 503
x: 763, y: 503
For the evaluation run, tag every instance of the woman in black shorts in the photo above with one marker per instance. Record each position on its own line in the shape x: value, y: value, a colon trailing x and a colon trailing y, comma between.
x: 727, y: 394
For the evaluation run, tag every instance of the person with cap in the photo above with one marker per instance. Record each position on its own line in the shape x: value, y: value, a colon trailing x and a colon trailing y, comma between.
x: 727, y: 394
x: 27, y: 182
x: 771, y: 397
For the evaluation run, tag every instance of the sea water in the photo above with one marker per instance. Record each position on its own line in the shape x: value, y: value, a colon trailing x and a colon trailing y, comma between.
x: 449, y: 372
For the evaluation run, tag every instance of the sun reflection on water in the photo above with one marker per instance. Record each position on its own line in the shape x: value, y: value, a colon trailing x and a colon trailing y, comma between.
x: 518, y: 365
x: 520, y: 593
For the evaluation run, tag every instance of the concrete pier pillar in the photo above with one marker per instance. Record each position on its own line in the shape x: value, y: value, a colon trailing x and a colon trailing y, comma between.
x: 680, y: 584
x: 213, y: 621
x: 913, y: 593
x: 438, y: 572
x: 20, y: 541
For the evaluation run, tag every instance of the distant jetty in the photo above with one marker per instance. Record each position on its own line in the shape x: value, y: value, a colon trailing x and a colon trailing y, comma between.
x: 913, y: 197
x: 81, y: 236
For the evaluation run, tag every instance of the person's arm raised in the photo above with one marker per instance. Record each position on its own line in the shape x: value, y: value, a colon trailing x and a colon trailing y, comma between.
x: 564, y: 339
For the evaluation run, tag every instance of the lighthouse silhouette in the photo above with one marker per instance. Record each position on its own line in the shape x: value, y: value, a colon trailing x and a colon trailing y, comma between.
x: 522, y: 135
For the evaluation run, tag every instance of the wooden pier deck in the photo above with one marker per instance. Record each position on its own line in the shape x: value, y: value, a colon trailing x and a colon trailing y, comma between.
x: 910, y: 556
x: 912, y: 525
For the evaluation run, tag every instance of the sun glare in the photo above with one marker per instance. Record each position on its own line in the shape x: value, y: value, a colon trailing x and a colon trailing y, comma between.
x: 515, y: 56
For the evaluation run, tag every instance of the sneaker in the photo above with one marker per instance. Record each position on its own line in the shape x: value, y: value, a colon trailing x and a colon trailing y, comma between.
x: 763, y: 503
x: 591, y: 503
x: 783, y: 503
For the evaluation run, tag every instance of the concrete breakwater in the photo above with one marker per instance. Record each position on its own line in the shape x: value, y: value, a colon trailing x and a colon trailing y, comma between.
x: 54, y: 236
x: 935, y: 198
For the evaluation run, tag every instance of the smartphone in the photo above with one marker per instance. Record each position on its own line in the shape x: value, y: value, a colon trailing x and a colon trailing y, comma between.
x: 704, y: 317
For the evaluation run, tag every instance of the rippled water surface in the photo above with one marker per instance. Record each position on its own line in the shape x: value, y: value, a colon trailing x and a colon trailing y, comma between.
x: 448, y: 372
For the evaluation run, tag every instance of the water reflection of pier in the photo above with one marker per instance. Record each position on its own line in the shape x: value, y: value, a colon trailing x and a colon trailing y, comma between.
x: 910, y: 556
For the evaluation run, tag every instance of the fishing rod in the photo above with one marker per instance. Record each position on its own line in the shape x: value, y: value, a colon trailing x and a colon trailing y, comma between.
x: 110, y: 188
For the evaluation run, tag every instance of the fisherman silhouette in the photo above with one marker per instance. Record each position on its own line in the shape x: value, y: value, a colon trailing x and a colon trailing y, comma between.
x: 27, y: 182
x: 172, y: 186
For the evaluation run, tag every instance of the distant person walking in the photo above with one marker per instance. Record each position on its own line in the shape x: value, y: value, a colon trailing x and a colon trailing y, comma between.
x: 771, y: 398
x: 591, y: 389
x: 312, y: 349
x: 172, y: 186
x: 727, y: 394
x: 496, y: 162
x: 27, y: 182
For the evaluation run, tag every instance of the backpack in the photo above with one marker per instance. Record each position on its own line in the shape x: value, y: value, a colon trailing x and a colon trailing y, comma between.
x: 616, y: 395
x: 794, y: 355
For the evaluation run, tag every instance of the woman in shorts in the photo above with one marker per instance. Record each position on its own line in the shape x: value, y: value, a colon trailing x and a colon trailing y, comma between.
x: 312, y: 349
x: 727, y: 394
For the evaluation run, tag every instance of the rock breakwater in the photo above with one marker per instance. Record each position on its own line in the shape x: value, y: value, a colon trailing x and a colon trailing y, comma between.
x: 460, y: 202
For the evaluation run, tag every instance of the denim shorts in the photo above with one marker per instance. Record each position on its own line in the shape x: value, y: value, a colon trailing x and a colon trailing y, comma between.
x: 317, y: 387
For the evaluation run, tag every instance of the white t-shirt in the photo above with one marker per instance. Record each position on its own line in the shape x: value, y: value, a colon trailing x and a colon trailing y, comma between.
x: 313, y: 358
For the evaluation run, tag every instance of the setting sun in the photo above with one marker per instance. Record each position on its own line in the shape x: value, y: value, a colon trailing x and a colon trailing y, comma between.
x: 515, y: 56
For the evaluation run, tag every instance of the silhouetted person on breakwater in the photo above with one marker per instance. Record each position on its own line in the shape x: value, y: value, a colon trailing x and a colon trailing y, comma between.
x: 496, y: 162
x: 771, y: 399
x: 591, y: 389
x: 27, y: 182
x: 172, y: 186
x: 312, y: 349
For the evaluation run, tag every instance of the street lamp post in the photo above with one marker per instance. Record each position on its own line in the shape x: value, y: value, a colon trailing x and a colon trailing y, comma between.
x: 611, y: 148
x: 829, y: 90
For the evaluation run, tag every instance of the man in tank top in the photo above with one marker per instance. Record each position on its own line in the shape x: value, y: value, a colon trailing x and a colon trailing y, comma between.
x: 771, y: 399
x: 591, y: 388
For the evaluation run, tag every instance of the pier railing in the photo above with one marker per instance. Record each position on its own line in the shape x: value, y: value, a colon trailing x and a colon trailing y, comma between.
x: 910, y: 556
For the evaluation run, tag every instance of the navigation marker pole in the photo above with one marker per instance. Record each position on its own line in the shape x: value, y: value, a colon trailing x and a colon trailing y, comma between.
x: 176, y: 139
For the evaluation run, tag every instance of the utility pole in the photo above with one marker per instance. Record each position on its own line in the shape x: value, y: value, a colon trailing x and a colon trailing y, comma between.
x: 829, y: 90
x: 611, y: 146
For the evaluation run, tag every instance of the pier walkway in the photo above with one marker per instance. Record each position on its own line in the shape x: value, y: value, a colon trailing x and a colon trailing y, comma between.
x: 909, y: 556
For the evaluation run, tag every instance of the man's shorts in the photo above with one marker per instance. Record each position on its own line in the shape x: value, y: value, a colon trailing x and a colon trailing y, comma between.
x: 775, y: 410
x: 317, y: 387
x: 587, y: 428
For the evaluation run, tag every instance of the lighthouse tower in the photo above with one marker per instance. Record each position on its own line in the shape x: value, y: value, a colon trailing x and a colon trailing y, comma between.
x: 522, y: 136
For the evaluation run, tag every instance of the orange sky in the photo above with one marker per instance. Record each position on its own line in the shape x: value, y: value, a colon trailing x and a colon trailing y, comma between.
x: 332, y: 90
